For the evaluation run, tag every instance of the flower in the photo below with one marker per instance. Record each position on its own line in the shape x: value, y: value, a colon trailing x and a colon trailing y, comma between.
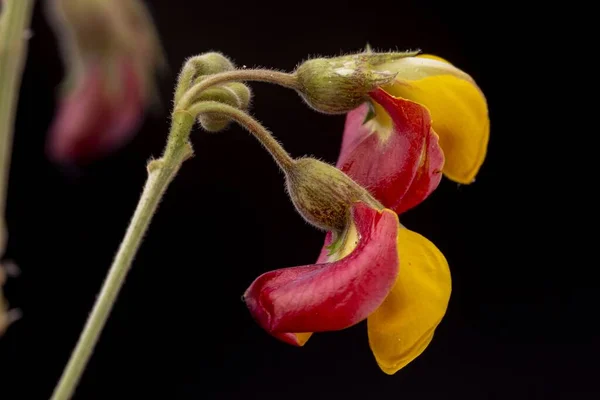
x: 457, y: 106
x: 400, y: 168
x: 111, y: 52
x: 431, y: 120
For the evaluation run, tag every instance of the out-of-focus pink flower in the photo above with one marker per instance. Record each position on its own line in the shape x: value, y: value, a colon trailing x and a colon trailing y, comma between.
x: 111, y: 53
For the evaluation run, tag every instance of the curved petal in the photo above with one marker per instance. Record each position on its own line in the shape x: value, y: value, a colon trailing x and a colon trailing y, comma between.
x: 428, y: 176
x: 459, y: 116
x: 423, y: 66
x: 300, y: 339
x: 396, y: 157
x: 335, y: 295
x: 402, y: 327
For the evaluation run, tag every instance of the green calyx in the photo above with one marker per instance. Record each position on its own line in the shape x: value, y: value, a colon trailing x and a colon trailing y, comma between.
x: 323, y: 194
x: 340, y: 84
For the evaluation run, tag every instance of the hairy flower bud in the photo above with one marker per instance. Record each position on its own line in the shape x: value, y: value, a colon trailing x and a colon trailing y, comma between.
x: 234, y: 94
x: 340, y: 84
x: 323, y: 194
x: 208, y: 64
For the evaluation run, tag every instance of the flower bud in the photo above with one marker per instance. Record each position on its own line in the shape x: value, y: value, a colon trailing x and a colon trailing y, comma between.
x: 243, y: 92
x: 208, y: 64
x: 323, y: 194
x: 340, y: 84
x: 234, y: 94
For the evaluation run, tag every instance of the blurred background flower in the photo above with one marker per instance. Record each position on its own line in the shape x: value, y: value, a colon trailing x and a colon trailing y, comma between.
x: 111, y: 53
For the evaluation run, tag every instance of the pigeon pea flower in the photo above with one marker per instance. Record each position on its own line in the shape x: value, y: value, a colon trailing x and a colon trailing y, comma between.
x: 344, y: 289
x: 409, y: 120
x: 457, y: 106
x: 400, y: 167
x: 370, y: 267
x: 111, y: 53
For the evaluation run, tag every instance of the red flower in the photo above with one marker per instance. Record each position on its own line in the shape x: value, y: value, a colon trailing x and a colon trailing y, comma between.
x: 391, y: 149
x: 111, y: 52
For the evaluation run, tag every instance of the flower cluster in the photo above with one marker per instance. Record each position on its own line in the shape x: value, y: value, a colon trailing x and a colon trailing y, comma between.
x: 422, y: 117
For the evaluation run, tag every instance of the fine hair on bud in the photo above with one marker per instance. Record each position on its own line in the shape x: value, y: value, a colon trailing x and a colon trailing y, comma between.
x: 323, y: 194
x: 340, y: 84
x: 209, y: 63
x: 197, y: 68
x: 234, y: 94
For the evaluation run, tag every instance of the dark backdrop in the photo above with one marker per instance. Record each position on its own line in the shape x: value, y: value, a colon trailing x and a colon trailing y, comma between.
x: 516, y: 327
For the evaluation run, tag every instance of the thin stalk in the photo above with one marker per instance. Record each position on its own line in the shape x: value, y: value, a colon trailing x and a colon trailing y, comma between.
x: 280, y: 155
x: 15, y: 18
x: 260, y: 75
x: 160, y: 174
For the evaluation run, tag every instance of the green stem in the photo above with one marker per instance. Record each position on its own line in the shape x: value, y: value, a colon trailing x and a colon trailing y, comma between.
x: 14, y: 22
x: 261, y: 133
x: 160, y: 174
x: 259, y: 75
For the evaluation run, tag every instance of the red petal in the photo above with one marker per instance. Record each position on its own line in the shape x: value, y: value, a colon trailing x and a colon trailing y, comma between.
x: 90, y: 123
x: 402, y: 169
x: 81, y: 118
x: 428, y: 175
x: 330, y: 296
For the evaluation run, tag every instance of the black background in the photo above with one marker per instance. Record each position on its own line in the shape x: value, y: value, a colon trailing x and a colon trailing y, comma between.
x: 517, y: 324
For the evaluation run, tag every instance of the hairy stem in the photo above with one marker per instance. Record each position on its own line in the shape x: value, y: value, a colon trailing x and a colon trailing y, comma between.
x: 259, y: 75
x: 282, y: 158
x: 15, y: 17
x: 160, y: 174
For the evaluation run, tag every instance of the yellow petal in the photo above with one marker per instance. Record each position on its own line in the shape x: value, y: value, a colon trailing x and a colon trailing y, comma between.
x: 432, y: 57
x: 460, y: 117
x: 402, y: 327
x: 423, y: 66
